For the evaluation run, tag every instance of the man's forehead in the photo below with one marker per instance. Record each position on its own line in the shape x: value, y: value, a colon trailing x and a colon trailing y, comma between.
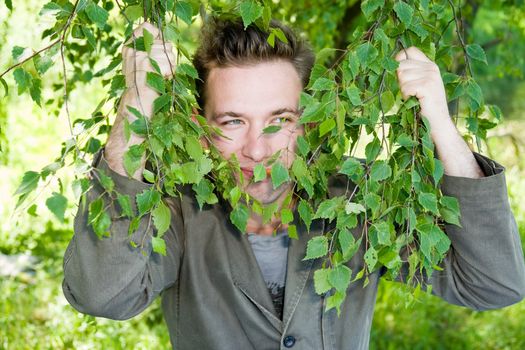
x: 268, y: 88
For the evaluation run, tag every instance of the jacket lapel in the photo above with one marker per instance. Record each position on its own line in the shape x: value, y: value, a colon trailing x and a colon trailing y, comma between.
x: 298, y: 270
x: 247, y: 275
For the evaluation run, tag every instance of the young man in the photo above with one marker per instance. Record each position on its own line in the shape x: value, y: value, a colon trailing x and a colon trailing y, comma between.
x: 223, y: 289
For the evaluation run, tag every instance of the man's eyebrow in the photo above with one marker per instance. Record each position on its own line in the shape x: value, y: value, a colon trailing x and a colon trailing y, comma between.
x: 285, y: 110
x: 227, y: 114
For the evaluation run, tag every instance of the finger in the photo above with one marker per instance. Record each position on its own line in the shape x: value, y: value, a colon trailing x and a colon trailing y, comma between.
x: 415, y: 73
x: 412, y: 88
x: 412, y: 53
x: 139, y: 31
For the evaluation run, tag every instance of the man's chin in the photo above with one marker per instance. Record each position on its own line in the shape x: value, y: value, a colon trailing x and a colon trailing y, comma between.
x: 265, y: 193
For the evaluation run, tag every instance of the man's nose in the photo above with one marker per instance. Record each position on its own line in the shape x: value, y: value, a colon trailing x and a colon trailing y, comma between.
x: 257, y: 146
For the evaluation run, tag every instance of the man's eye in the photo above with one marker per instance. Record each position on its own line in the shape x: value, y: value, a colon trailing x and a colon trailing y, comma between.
x: 232, y: 122
x: 282, y: 120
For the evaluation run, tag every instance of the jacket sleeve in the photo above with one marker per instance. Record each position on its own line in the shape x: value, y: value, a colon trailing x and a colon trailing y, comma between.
x: 484, y: 268
x: 108, y: 277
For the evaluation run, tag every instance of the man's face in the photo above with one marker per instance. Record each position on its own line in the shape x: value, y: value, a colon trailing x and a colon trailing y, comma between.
x: 241, y: 102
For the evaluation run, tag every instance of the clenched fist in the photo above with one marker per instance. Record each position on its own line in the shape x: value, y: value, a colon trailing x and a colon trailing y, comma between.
x: 418, y: 76
x: 136, y: 64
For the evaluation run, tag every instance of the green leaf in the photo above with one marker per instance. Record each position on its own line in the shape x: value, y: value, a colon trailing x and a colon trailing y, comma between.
x: 90, y: 37
x: 350, y: 167
x: 370, y: 258
x: 6, y: 88
x: 125, y: 205
x: 148, y: 176
x: 193, y: 147
x: 305, y: 212
x: 259, y: 173
x: 184, y: 11
x: 57, y: 204
x: 23, y: 79
x: 380, y: 171
x: 286, y: 216
x: 158, y: 245
x: 51, y: 8
x: 188, y: 70
x: 404, y: 12
x: 405, y: 141
x: 204, y: 192
x: 372, y: 201
x: 106, y: 181
x: 98, y: 218
x: 326, y: 126
x: 16, y: 52
x: 133, y: 12
x: 476, y: 52
x: 35, y: 91
x: 97, y: 14
x: 235, y: 195
x: 292, y: 232
x: 450, y: 210
x: 354, y: 208
x: 339, y: 277
x: 321, y: 283
x: 353, y: 63
x: 328, y: 208
x: 316, y: 247
x: 354, y: 95
x: 132, y: 159
x: 428, y: 201
x: 156, y: 82
x: 348, y: 244
x: 42, y: 63
x: 148, y: 39
x: 372, y: 150
x: 383, y: 232
x: 161, y: 102
x: 9, y: 4
x: 272, y: 129
x: 370, y: 6
x: 366, y: 53
x: 323, y: 84
x: 29, y: 183
x: 279, y: 174
x: 387, y: 101
x: 250, y: 12
x: 303, y: 146
x: 161, y: 218
x: 147, y: 199
x: 335, y: 301
x: 32, y: 210
x: 239, y: 217
x: 474, y: 92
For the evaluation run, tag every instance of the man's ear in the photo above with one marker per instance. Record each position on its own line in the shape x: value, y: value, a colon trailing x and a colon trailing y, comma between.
x: 194, y: 113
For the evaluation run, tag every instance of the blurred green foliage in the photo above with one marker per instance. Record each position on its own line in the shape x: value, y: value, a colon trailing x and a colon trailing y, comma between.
x: 33, y: 311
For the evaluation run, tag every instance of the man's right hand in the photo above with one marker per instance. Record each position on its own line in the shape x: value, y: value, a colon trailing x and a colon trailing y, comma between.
x: 135, y: 66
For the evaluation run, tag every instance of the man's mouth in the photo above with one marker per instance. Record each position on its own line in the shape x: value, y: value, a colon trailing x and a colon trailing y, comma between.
x: 248, y: 173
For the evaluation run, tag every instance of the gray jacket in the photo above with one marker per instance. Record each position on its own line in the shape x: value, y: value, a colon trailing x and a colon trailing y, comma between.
x: 214, y: 296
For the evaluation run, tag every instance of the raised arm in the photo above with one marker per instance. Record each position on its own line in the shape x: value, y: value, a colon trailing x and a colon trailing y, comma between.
x: 106, y: 276
x: 484, y: 268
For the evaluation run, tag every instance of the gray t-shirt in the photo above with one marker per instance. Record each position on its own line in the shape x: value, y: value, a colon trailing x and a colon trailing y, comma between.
x: 271, y: 253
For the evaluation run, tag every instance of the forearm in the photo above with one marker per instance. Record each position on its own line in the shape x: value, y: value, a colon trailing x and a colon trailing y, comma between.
x: 117, y: 145
x: 452, y: 150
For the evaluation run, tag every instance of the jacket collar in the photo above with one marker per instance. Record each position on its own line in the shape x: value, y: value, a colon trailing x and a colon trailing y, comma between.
x: 247, y: 275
